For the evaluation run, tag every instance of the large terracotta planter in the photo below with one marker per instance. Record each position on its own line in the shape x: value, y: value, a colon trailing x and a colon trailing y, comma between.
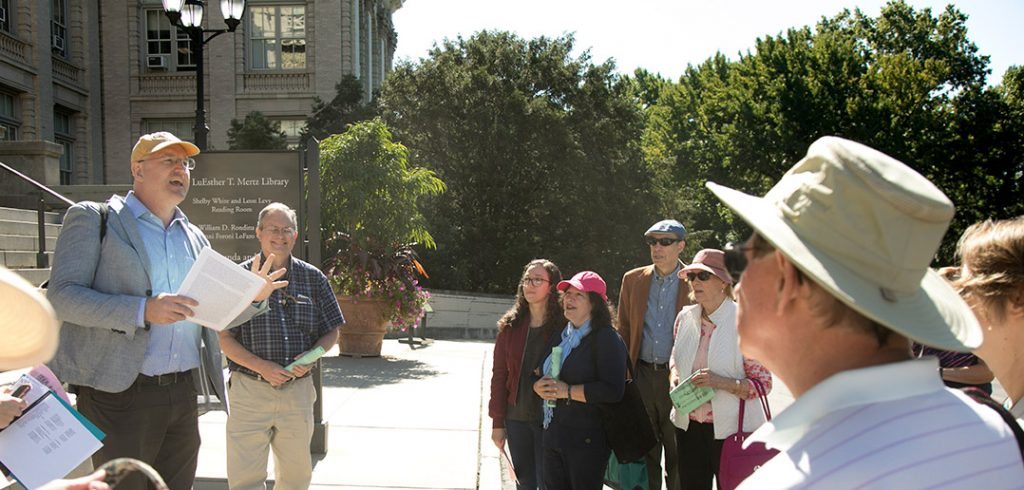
x: 362, y: 335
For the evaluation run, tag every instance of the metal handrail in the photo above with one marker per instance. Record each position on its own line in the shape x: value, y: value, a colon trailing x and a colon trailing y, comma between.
x: 37, y: 185
x: 41, y: 260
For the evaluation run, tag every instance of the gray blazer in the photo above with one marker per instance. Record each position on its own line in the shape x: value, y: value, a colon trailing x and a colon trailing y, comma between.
x: 95, y: 289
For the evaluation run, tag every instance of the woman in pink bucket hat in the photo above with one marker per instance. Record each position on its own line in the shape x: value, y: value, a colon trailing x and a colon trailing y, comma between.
x: 707, y: 347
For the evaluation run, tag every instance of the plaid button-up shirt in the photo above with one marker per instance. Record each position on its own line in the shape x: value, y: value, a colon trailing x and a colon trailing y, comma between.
x: 299, y: 315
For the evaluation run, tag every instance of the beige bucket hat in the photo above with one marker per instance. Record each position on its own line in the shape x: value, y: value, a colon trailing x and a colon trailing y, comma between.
x: 28, y: 324
x: 866, y: 227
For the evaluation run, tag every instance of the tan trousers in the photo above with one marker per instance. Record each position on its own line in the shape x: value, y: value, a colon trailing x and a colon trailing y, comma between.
x: 263, y: 417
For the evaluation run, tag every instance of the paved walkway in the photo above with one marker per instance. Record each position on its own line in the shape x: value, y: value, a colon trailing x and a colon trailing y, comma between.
x: 412, y: 418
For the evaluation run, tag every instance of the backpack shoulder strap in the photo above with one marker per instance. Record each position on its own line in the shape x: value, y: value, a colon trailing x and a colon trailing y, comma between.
x: 104, y: 212
x: 983, y: 398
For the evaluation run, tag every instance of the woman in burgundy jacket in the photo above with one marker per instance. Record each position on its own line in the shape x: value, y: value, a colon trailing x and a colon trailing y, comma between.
x: 523, y: 334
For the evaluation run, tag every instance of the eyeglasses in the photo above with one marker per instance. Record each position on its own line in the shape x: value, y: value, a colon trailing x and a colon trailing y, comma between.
x: 273, y: 230
x: 736, y: 254
x: 533, y: 281
x: 702, y: 275
x: 289, y: 299
x: 664, y: 242
x: 188, y: 163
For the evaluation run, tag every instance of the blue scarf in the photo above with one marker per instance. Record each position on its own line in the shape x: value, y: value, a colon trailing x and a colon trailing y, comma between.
x: 571, y: 338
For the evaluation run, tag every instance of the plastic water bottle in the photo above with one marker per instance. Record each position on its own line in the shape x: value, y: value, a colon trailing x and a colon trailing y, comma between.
x: 556, y: 368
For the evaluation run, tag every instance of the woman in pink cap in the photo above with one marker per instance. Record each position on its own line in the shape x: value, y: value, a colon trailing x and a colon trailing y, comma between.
x: 707, y: 346
x: 591, y: 369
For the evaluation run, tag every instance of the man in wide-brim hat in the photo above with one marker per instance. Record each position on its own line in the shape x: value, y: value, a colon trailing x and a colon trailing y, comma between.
x: 837, y: 285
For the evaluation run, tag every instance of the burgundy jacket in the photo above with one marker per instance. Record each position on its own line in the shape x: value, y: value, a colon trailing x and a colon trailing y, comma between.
x: 509, y: 349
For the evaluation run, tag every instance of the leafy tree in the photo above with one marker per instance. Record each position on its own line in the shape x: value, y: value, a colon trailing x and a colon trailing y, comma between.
x: 540, y: 151
x: 256, y: 132
x: 908, y: 83
x: 334, y: 117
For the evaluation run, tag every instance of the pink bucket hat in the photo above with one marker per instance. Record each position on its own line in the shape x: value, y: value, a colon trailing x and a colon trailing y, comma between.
x: 586, y: 281
x: 710, y: 260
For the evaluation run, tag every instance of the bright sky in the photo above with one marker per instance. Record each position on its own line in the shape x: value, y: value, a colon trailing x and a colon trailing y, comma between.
x: 664, y: 36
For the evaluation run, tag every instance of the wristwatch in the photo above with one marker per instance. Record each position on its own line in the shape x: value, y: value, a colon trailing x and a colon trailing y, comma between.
x: 738, y: 386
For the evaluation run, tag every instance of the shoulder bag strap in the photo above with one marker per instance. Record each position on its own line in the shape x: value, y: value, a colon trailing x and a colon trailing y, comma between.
x: 763, y: 396
x: 983, y: 398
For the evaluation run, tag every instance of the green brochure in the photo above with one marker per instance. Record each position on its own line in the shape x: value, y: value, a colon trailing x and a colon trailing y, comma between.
x: 687, y: 396
x: 308, y: 357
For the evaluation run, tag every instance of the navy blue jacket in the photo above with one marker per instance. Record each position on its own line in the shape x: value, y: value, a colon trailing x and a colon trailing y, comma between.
x: 599, y: 364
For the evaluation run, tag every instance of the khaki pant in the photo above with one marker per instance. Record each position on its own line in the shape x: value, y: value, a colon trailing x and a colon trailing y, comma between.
x: 263, y: 417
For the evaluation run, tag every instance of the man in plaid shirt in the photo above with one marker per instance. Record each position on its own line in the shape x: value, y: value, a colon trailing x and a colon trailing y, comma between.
x: 270, y: 406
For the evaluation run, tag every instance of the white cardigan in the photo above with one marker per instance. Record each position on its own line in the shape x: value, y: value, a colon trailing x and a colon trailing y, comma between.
x: 724, y: 358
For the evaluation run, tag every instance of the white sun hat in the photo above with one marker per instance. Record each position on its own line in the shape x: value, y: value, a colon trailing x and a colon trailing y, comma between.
x: 865, y: 227
x: 29, y: 331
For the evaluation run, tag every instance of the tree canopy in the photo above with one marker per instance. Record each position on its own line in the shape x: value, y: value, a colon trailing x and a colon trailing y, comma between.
x: 540, y: 151
x: 550, y: 154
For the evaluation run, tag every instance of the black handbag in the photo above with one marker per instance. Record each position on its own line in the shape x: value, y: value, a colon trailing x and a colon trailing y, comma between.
x: 626, y: 424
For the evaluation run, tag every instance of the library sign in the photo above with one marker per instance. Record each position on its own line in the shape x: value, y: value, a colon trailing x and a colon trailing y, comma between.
x: 230, y: 188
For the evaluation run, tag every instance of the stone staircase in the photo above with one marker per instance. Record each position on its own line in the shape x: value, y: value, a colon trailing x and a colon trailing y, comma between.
x: 19, y: 242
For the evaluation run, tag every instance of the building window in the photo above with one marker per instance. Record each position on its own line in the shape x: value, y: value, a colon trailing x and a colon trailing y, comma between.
x: 59, y: 27
x: 167, y: 48
x: 182, y: 128
x: 277, y: 38
x: 9, y: 122
x: 5, y: 16
x: 62, y: 132
x: 293, y: 130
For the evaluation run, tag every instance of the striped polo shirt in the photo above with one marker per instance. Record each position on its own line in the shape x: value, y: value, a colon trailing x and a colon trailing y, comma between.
x: 891, y: 426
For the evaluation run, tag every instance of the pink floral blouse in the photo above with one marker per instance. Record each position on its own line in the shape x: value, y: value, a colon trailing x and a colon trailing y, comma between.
x: 752, y: 368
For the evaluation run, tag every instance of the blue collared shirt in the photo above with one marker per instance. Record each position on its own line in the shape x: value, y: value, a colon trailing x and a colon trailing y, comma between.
x: 656, y: 345
x: 175, y: 347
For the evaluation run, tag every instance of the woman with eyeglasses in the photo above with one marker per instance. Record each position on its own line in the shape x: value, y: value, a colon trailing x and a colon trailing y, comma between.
x: 585, y: 365
x: 707, y: 347
x: 991, y: 280
x: 523, y: 335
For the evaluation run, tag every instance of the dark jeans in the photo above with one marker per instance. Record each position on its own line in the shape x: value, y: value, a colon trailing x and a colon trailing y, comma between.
x: 155, y: 424
x: 699, y: 455
x: 575, y: 457
x: 525, y: 447
x: 653, y: 385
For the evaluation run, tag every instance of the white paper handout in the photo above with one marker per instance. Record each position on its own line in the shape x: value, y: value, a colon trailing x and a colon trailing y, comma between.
x: 48, y: 441
x: 222, y: 288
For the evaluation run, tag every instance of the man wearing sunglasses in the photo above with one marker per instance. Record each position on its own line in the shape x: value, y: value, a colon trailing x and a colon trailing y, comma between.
x: 271, y: 406
x: 649, y: 300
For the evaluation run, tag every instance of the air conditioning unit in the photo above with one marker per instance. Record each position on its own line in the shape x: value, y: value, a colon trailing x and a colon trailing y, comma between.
x: 156, y: 61
x: 58, y: 43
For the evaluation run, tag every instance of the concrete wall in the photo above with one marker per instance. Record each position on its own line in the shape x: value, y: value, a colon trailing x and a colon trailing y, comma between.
x: 460, y: 315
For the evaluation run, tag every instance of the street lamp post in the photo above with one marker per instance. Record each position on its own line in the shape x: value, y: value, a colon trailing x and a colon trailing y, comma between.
x: 187, y: 15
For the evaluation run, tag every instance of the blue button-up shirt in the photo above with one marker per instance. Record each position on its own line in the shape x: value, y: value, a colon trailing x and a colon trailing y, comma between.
x: 175, y: 347
x: 656, y: 345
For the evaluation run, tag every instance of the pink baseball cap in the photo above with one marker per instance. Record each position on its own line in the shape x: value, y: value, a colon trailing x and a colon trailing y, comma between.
x: 586, y: 281
x: 710, y: 260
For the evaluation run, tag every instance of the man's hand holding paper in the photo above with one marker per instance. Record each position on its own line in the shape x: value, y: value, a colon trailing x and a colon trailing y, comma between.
x: 222, y: 290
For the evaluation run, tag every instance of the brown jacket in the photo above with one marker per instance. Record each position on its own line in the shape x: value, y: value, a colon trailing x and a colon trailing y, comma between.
x: 636, y: 287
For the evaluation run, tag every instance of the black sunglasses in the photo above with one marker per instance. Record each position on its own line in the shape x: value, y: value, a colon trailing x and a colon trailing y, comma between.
x: 702, y: 275
x: 664, y: 242
x: 735, y: 259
